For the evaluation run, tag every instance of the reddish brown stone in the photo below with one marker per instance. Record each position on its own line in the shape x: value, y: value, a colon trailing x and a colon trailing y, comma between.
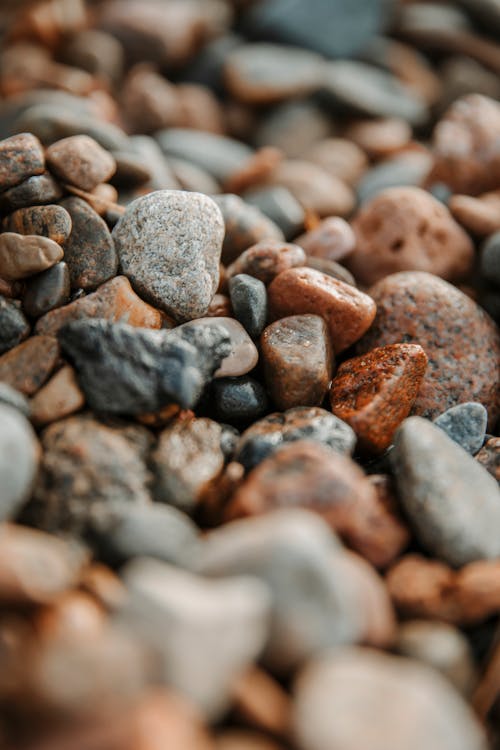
x: 298, y: 360
x: 489, y: 457
x: 407, y: 229
x: 115, y: 300
x: 332, y: 239
x: 267, y: 259
x: 21, y: 157
x: 53, y: 222
x: 58, y: 398
x: 220, y: 306
x: 480, y: 216
x: 28, y: 365
x: 460, y: 340
x: 347, y: 312
x: 375, y: 391
x: 81, y: 161
x: 379, y: 138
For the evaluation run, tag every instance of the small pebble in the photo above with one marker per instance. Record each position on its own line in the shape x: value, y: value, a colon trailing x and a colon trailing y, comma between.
x: 340, y: 157
x: 379, y: 138
x: 21, y: 157
x: 47, y: 290
x: 243, y: 356
x: 79, y: 160
x: 279, y: 205
x: 315, y: 189
x: 27, y: 366
x: 40, y: 189
x: 465, y: 424
x: 490, y: 259
x: 298, y: 361
x: 452, y: 503
x: 333, y: 239
x: 480, y: 216
x: 266, y: 259
x: 53, y: 222
x: 239, y: 399
x: 22, y: 256
x: 249, y: 302
x: 14, y: 327
x: 58, y: 398
x: 246, y: 225
x: 19, y: 458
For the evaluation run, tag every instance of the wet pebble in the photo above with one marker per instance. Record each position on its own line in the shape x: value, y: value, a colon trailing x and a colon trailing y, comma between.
x: 47, y: 290
x: 79, y: 160
x: 239, y: 399
x: 19, y: 458
x: 27, y: 366
x: 53, y: 222
x: 21, y: 157
x: 465, y: 424
x: 249, y: 302
x: 22, y: 256
x: 267, y: 259
x: 14, y: 327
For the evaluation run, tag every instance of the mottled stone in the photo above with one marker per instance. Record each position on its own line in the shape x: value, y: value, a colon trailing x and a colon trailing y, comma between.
x: 243, y: 356
x: 50, y: 221
x: 347, y: 312
x: 266, y: 259
x: 246, y: 225
x: 58, y: 398
x: 47, y: 290
x: 21, y: 157
x: 314, y: 188
x: 351, y: 697
x: 89, y: 250
x: 406, y: 229
x: 300, y: 423
x: 461, y: 342
x: 489, y: 457
x: 79, y: 160
x: 490, y: 259
x: 452, y: 503
x: 169, y: 244
x: 27, y: 366
x: 249, y: 302
x: 298, y: 360
x: 14, y: 327
x: 126, y: 370
x: 26, y: 255
x: 239, y: 399
x: 115, y: 301
x: 40, y: 189
x: 374, y: 392
x: 19, y: 457
x: 332, y: 239
x: 465, y: 424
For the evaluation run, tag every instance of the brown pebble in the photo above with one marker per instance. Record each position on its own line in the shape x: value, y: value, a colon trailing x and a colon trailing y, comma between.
x: 461, y: 342
x: 27, y: 366
x: 53, y: 222
x: 220, y: 306
x: 199, y: 108
x: 374, y: 392
x: 262, y: 701
x: 314, y: 188
x: 81, y: 161
x: 347, y: 312
x: 257, y: 169
x: 340, y: 158
x: 115, y: 300
x: 489, y: 457
x: 21, y: 157
x: 332, y: 239
x: 40, y: 189
x: 267, y: 259
x: 407, y: 229
x: 22, y: 256
x: 380, y: 138
x: 58, y: 398
x: 480, y: 216
x: 47, y: 290
x: 298, y: 361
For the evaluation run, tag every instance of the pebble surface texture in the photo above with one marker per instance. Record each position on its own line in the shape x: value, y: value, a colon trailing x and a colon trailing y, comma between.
x: 461, y: 342
x: 21, y: 157
x: 169, y: 245
x: 465, y: 424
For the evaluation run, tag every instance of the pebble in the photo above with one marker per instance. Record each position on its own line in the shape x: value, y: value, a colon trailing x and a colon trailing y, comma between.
x: 331, y: 268
x: 243, y: 356
x: 279, y: 205
x: 465, y: 424
x: 490, y: 259
x: 408, y: 169
x: 249, y: 302
x: 300, y: 423
x: 333, y: 239
x: 21, y: 157
x: 343, y: 697
x: 50, y: 221
x: 480, y: 216
x: 89, y: 250
x: 187, y: 461
x: 115, y: 301
x: 19, y: 458
x: 293, y: 127
x: 375, y: 392
x: 489, y: 457
x: 40, y: 189
x: 14, y: 327
x: 314, y: 188
x: 452, y: 503
x: 461, y: 342
x: 22, y: 256
x: 380, y: 138
x: 294, y: 553
x: 298, y: 361
x: 263, y: 73
x: 58, y: 398
x: 239, y: 399
x: 169, y: 245
x: 47, y: 290
x: 79, y: 160
x: 127, y: 370
x: 339, y: 157
x: 221, y: 624
x: 246, y: 225
x: 266, y: 259
x: 27, y: 366
x: 406, y: 229
x: 347, y: 312
x: 12, y: 397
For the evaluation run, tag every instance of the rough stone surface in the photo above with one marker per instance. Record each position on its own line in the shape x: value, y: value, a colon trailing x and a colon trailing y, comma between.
x: 22, y: 256
x: 407, y: 229
x: 19, y: 456
x: 79, y: 160
x: 300, y: 423
x: 266, y: 259
x: 169, y: 245
x: 47, y: 290
x: 452, y: 503
x: 21, y: 157
x: 239, y: 399
x: 465, y: 424
x: 243, y: 356
x: 347, y: 312
x: 27, y: 366
x: 298, y: 360
x: 249, y: 302
x: 53, y: 222
x: 14, y: 327
x: 246, y: 225
x: 374, y: 392
x: 126, y: 370
x: 461, y: 342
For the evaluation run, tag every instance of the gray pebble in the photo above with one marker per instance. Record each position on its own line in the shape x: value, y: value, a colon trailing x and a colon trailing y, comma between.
x: 19, y: 456
x: 14, y: 327
x: 280, y: 206
x: 241, y: 399
x: 249, y: 302
x: 245, y: 226
x: 465, y: 424
x: 490, y: 259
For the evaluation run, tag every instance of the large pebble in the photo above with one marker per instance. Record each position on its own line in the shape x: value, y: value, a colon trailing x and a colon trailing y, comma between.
x: 47, y: 290
x: 453, y: 504
x: 53, y: 222
x: 21, y: 157
x: 169, y: 244
x: 14, y: 327
x: 79, y: 160
x: 465, y: 424
x: 27, y: 366
x: 461, y: 342
x: 19, y: 456
x: 22, y: 256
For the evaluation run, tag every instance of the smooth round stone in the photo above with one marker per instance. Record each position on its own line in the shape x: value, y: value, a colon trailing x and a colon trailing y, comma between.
x: 239, y: 399
x: 245, y: 226
x: 79, y: 160
x: 169, y: 245
x: 47, y: 291
x: 267, y: 259
x: 331, y: 268
x: 19, y: 456
x: 333, y: 239
x: 314, y: 188
x: 490, y: 259
x: 300, y: 423
x: 38, y: 189
x: 405, y: 170
x: 343, y: 697
x: 89, y: 251
x: 13, y: 325
x: 249, y: 302
x: 461, y: 342
x: 26, y: 255
x: 451, y: 501
x: 267, y: 73
x: 28, y: 365
x: 58, y: 398
x: 53, y: 222
x: 340, y: 157
x: 280, y: 206
x: 298, y: 360
x: 21, y: 157
x: 244, y: 355
x: 465, y: 424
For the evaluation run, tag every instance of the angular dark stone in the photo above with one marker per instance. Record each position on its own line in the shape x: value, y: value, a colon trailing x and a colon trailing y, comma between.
x: 249, y: 302
x: 47, y: 290
x: 239, y: 399
x: 127, y: 370
x: 14, y: 327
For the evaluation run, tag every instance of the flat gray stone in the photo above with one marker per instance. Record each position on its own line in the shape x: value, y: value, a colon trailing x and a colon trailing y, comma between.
x: 465, y: 424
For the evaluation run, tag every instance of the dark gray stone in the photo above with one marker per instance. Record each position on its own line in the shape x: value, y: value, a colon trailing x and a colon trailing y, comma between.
x: 279, y: 205
x: 47, y: 290
x: 465, y: 424
x: 490, y: 259
x: 13, y: 325
x: 36, y: 190
x: 239, y: 399
x: 249, y: 302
